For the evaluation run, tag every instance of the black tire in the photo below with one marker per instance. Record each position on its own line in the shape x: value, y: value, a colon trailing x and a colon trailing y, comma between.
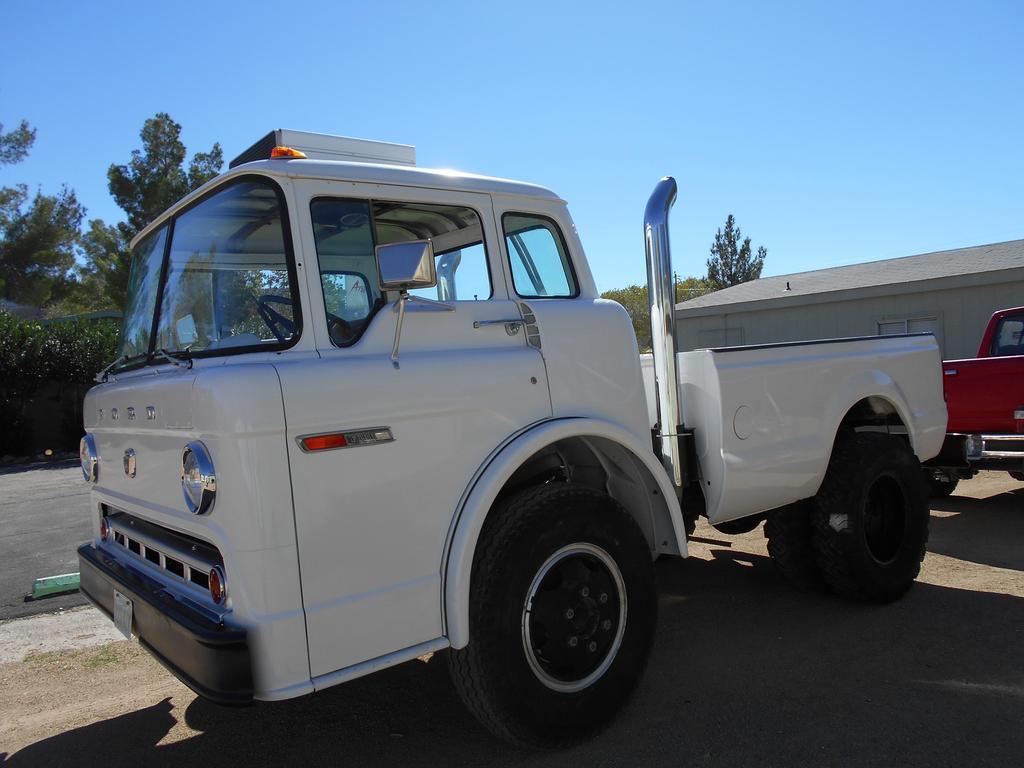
x: 739, y: 527
x: 791, y: 548
x: 939, y: 488
x: 870, y: 517
x: 495, y: 673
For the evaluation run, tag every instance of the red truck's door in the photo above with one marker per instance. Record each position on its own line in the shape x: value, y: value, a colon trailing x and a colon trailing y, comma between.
x: 982, y: 394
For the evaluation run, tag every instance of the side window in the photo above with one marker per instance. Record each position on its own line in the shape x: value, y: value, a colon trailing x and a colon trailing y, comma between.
x: 346, y: 233
x: 343, y: 233
x: 461, y: 258
x: 538, y: 257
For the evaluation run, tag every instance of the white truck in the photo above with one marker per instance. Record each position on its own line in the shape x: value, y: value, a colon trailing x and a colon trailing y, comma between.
x: 365, y: 411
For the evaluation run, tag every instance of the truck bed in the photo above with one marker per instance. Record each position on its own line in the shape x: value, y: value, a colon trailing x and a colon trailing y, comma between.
x: 765, y: 417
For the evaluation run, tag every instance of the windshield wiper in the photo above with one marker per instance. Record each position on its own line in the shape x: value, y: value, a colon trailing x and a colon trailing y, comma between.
x: 179, y: 359
x: 103, y: 375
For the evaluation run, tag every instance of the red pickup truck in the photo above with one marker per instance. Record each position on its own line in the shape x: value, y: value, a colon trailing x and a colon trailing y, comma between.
x: 985, y: 402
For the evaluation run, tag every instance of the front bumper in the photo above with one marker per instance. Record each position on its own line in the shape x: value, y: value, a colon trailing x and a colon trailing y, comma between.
x: 211, y: 659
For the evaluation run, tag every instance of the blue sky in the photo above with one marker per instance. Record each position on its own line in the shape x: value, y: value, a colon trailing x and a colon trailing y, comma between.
x: 835, y: 132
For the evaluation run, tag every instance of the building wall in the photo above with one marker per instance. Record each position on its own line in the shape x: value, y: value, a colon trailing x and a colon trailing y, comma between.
x: 957, y: 316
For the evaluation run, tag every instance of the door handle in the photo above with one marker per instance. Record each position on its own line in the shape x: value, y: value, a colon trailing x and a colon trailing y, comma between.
x: 511, y: 326
x: 951, y: 372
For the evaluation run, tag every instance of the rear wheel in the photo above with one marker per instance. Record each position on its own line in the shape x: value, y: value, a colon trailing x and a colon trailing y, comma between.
x: 562, y: 615
x: 790, y: 545
x: 870, y: 517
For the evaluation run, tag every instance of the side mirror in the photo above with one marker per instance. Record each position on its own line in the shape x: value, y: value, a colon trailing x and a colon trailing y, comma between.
x: 403, y: 267
x: 408, y: 265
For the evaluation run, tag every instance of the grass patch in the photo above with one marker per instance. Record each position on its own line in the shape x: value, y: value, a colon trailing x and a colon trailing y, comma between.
x: 86, y: 658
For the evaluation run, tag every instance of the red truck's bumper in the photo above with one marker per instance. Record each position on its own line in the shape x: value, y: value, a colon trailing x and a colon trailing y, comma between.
x: 994, y: 447
x: 962, y: 455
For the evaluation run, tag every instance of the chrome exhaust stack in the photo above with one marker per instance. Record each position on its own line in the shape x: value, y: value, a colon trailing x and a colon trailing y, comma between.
x: 661, y: 295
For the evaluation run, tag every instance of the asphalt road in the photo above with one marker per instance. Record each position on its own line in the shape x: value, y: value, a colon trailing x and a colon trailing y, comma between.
x: 745, y: 671
x: 44, y: 516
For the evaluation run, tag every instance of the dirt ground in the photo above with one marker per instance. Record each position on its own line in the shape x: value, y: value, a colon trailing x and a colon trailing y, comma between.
x: 745, y: 671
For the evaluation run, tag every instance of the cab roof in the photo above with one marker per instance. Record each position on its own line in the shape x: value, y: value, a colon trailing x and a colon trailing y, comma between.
x: 397, y: 175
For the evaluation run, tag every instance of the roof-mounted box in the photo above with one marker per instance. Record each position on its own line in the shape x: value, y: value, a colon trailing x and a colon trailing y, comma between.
x: 323, y: 146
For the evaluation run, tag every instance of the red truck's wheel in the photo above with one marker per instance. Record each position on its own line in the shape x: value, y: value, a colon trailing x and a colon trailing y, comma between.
x: 870, y: 517
x: 562, y: 615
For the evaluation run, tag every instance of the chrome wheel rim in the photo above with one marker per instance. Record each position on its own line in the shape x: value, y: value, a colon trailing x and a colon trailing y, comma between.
x: 574, y: 617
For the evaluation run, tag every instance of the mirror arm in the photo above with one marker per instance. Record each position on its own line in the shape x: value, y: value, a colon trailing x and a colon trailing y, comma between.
x: 403, y: 299
x: 427, y: 304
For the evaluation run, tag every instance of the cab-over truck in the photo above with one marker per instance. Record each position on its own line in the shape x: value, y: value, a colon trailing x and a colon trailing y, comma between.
x: 364, y: 411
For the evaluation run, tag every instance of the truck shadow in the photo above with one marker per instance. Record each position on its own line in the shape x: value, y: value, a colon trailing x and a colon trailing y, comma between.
x: 744, y: 671
x: 988, y: 531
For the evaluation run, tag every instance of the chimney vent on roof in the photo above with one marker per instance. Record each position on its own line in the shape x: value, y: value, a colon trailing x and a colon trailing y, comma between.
x: 787, y: 286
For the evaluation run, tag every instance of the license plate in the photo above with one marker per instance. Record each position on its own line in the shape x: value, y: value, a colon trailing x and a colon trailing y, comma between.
x: 123, y: 614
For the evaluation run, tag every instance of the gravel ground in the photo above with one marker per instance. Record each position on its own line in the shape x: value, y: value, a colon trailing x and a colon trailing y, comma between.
x: 745, y: 671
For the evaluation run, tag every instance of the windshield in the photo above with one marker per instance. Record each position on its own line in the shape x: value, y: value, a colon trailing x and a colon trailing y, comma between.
x: 228, y: 285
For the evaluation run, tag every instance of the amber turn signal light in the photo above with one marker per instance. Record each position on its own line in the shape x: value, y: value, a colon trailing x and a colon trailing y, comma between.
x: 287, y: 153
x: 216, y: 582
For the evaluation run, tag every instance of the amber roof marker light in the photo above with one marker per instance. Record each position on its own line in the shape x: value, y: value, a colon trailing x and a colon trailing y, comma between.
x: 286, y: 153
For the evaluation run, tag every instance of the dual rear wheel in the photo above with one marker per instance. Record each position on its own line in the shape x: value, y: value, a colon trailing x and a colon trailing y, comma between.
x: 864, y: 534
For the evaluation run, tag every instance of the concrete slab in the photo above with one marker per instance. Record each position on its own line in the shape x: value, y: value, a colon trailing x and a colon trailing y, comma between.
x: 81, y: 627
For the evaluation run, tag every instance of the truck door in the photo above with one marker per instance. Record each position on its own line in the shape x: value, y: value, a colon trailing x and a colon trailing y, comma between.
x: 398, y: 445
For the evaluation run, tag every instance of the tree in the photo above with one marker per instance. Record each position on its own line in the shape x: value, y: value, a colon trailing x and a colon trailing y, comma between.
x: 37, y: 246
x: 731, y: 262
x: 37, y: 242
x: 153, y: 179
x: 14, y: 146
x: 633, y: 298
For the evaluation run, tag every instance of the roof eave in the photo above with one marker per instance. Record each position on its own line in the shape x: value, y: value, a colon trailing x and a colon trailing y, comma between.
x: 849, y: 294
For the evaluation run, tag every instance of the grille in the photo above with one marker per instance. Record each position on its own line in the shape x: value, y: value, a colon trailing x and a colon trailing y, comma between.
x: 177, y: 557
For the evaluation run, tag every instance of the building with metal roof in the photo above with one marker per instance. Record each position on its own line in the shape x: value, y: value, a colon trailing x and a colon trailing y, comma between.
x: 949, y: 293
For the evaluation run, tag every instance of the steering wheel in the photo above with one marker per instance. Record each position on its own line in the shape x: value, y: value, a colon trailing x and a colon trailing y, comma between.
x: 340, y: 330
x: 279, y: 325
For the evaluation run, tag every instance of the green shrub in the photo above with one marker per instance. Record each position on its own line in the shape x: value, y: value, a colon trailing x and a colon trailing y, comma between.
x: 56, y: 360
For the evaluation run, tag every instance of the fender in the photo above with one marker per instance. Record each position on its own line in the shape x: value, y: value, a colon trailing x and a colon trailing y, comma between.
x: 484, y: 490
x: 925, y: 428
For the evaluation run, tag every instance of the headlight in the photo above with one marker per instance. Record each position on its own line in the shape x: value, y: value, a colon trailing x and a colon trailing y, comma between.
x: 198, y: 480
x: 90, y: 459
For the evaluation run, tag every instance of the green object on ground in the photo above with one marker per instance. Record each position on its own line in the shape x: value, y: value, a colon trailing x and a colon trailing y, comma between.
x: 54, y: 585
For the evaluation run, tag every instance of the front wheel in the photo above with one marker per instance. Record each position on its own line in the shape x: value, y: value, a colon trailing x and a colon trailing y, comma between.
x: 562, y: 614
x: 870, y: 517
